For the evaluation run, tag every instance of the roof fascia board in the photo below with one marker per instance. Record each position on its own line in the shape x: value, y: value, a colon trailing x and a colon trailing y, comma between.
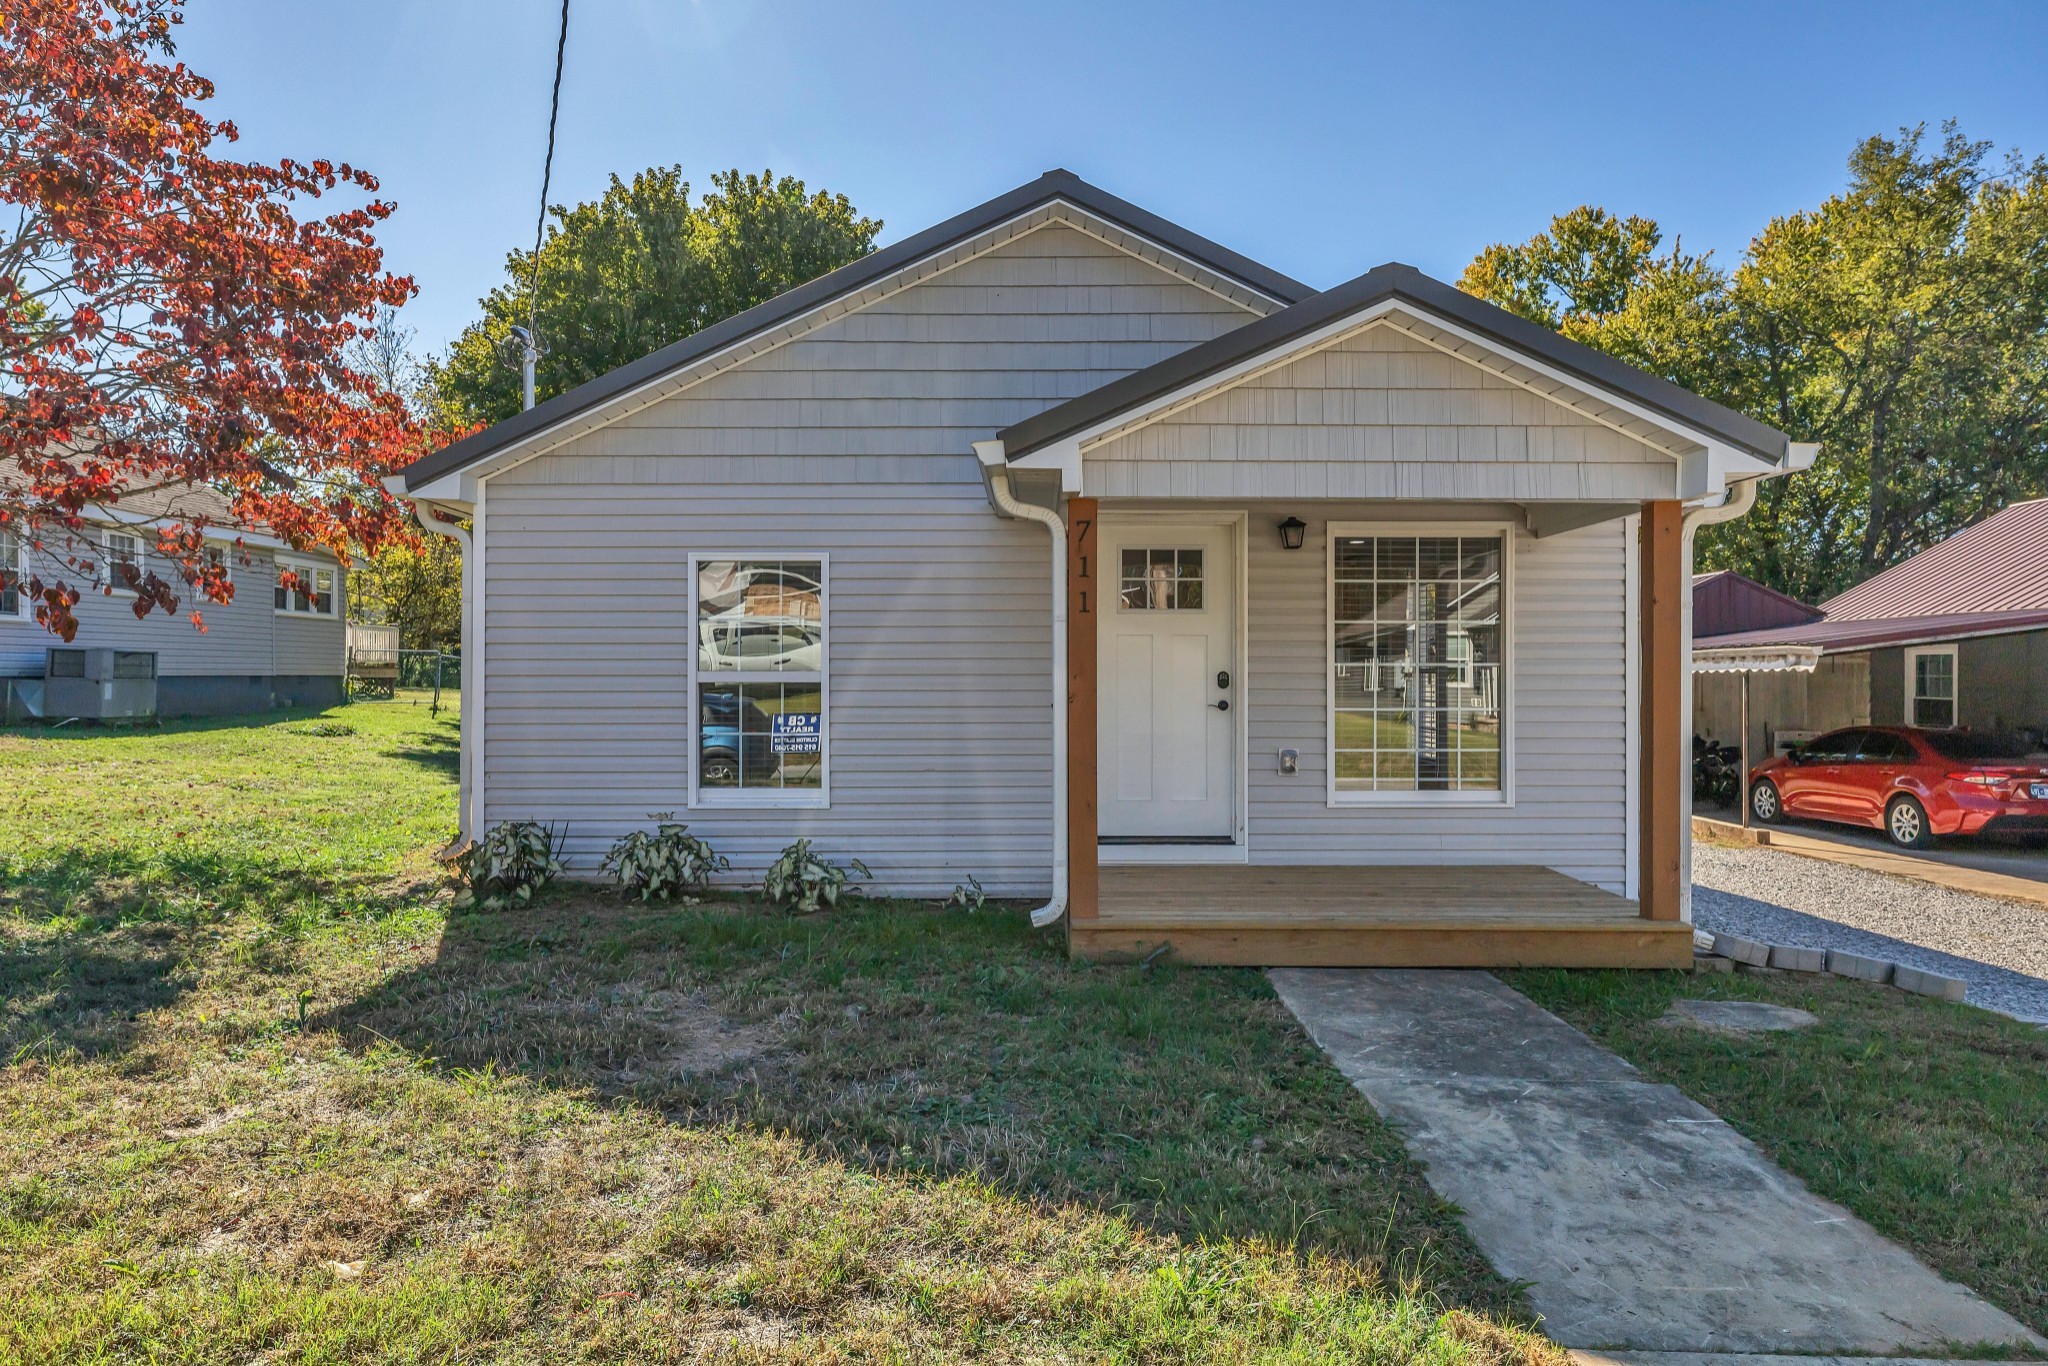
x: 799, y: 308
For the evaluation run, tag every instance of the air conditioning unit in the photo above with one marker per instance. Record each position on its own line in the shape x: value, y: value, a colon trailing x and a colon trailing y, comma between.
x: 100, y: 685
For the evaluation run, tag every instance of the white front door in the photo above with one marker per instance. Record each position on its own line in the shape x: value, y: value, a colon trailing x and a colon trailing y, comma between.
x: 1167, y: 685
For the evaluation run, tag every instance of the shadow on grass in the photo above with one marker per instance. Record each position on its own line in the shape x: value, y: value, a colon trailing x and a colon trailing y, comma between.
x: 915, y: 1041
x: 60, y: 997
x: 91, y: 939
x: 438, y: 751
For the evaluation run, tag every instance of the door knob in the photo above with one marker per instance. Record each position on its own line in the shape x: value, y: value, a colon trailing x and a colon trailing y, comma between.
x: 1224, y: 705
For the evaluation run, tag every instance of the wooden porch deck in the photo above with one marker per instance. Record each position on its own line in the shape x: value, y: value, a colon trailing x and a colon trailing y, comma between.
x: 1502, y: 916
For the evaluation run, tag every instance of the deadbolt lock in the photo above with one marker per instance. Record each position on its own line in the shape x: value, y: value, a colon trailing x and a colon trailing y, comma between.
x: 1222, y: 678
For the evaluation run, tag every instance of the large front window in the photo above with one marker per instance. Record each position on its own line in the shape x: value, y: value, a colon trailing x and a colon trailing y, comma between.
x: 1417, y: 664
x: 758, y: 684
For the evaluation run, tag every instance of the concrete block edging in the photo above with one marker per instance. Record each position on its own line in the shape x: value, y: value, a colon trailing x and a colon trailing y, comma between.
x: 1835, y: 962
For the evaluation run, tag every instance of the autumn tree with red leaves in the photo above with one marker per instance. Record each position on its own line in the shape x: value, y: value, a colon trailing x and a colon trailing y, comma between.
x: 167, y: 321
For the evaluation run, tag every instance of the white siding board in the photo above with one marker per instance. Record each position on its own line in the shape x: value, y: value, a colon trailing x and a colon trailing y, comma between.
x: 1567, y: 692
x: 241, y: 639
x: 1389, y: 416
x: 852, y: 439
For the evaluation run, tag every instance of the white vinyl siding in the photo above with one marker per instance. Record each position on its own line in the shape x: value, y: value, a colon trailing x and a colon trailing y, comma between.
x: 851, y: 442
x: 1567, y: 693
x: 1379, y: 415
x: 244, y: 638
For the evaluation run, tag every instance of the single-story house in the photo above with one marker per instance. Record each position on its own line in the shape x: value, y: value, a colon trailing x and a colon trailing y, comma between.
x: 267, y: 648
x: 1063, y: 548
x: 1955, y: 636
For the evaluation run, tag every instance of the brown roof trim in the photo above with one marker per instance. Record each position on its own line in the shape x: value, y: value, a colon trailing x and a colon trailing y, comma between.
x: 849, y: 278
x: 1389, y: 282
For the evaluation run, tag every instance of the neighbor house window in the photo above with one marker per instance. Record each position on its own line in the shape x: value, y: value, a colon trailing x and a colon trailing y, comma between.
x: 1418, y: 664
x: 13, y: 577
x: 757, y: 683
x: 124, y: 552
x: 1931, y: 686
x: 315, y: 594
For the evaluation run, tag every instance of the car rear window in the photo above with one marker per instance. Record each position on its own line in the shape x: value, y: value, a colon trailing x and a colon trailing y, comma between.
x: 1978, y: 747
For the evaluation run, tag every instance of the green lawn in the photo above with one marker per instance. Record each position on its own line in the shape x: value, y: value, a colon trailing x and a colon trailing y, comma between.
x: 265, y: 1095
x: 1929, y: 1120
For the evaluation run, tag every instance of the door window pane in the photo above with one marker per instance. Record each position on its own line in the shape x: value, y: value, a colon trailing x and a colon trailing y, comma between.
x: 1159, y: 580
x: 1417, y: 666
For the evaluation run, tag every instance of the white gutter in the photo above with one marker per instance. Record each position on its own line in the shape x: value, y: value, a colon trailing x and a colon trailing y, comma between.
x: 433, y: 518
x: 995, y: 468
x: 1736, y: 501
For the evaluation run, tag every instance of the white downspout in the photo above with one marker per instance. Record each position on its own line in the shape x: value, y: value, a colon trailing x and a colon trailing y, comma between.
x: 996, y: 467
x: 1736, y: 501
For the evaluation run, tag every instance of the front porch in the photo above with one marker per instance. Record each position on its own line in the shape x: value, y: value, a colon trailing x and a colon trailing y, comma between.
x: 1567, y: 855
x: 1459, y: 916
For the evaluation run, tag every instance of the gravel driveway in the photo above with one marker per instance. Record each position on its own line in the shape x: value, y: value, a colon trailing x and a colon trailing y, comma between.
x: 1999, y: 947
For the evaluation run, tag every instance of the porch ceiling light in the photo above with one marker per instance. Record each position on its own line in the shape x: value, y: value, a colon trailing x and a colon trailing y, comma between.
x: 1291, y: 532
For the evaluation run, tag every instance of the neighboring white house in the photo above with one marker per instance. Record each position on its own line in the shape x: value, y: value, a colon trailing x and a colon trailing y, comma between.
x: 1084, y: 556
x: 267, y: 648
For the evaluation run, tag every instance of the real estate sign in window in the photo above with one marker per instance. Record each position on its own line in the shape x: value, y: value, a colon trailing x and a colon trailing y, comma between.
x: 760, y: 678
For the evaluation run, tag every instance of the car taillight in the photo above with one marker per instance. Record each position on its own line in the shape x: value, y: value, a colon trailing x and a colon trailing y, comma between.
x: 1981, y: 778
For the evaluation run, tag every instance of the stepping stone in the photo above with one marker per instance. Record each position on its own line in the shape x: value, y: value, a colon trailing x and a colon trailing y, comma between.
x: 1737, y: 1017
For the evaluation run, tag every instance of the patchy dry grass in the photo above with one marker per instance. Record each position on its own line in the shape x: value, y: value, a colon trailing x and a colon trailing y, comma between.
x: 1927, y: 1119
x: 266, y: 1097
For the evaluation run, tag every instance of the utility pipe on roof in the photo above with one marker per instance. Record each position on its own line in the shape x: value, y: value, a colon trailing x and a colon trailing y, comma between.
x: 996, y: 468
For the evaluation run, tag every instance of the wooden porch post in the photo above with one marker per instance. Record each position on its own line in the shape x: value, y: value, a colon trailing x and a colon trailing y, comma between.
x: 1083, y: 872
x: 1663, y: 728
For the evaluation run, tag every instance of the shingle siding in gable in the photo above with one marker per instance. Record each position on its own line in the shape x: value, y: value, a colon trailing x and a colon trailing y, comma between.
x: 1379, y: 415
x: 854, y: 441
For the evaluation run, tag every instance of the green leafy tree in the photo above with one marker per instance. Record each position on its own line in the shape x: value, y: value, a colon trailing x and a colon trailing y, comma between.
x: 643, y: 267
x: 417, y: 588
x: 1903, y: 324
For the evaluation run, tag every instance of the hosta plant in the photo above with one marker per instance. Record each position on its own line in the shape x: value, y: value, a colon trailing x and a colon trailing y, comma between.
x: 969, y: 894
x: 802, y: 881
x: 665, y: 862
x: 510, y: 863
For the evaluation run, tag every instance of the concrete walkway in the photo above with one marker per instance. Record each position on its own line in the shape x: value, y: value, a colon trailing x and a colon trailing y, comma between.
x: 1640, y: 1219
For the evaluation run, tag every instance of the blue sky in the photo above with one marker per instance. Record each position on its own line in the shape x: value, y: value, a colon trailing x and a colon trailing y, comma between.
x: 1321, y: 139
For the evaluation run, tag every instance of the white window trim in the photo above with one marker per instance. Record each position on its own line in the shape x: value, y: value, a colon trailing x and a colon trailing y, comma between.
x: 816, y: 798
x: 1505, y: 797
x: 308, y: 568
x: 1955, y: 678
x: 24, y: 610
x: 107, y: 558
x: 227, y: 560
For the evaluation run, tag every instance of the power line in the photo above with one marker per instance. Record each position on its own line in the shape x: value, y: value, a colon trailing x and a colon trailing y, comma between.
x: 530, y: 346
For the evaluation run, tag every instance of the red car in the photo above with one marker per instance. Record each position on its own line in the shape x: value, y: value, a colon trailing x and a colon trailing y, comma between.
x: 1912, y: 784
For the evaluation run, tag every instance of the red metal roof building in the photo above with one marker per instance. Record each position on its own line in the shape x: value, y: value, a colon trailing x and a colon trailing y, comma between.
x: 1998, y: 565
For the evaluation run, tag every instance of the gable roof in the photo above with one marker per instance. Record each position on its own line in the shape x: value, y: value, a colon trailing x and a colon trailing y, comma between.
x: 856, y: 275
x: 1385, y: 284
x: 1725, y: 602
x: 1998, y: 565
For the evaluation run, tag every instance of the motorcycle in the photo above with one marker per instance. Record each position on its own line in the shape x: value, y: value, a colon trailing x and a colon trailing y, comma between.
x: 1716, y: 773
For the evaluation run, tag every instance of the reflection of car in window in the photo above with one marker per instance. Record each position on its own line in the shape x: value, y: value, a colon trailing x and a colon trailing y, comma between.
x: 777, y: 643
x: 723, y: 740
